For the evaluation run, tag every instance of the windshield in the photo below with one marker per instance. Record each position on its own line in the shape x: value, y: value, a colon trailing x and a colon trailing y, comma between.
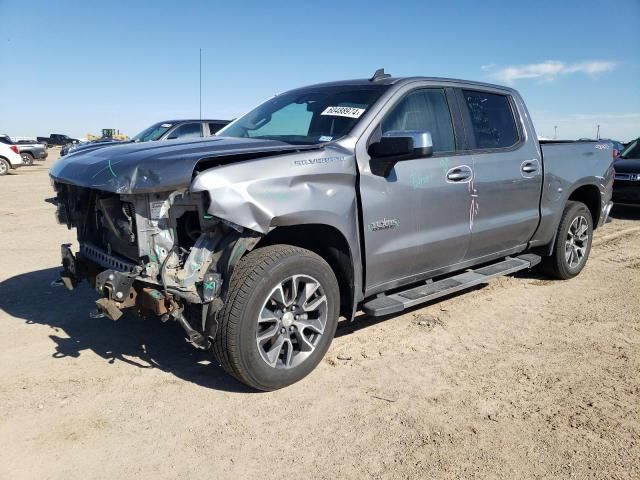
x: 306, y: 116
x: 632, y: 151
x: 154, y: 132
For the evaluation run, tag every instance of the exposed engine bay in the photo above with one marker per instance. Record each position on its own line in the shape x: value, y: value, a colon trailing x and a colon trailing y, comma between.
x: 158, y: 253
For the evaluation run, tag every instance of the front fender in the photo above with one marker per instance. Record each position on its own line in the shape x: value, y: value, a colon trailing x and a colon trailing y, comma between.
x: 312, y: 187
x: 306, y: 187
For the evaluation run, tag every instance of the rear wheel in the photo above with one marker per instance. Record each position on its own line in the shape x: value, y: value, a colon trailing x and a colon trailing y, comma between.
x: 279, y: 319
x: 27, y: 158
x: 573, y: 242
x: 4, y: 167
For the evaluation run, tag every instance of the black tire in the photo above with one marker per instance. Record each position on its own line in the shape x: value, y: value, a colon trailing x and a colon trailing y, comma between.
x: 558, y: 265
x: 251, y: 288
x: 4, y: 167
x: 27, y: 158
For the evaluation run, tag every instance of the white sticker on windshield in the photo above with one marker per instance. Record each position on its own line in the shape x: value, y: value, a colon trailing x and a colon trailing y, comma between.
x: 166, y: 125
x: 325, y: 138
x: 351, y: 112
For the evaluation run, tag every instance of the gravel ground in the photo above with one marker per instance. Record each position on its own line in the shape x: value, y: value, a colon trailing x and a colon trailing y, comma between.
x: 524, y: 378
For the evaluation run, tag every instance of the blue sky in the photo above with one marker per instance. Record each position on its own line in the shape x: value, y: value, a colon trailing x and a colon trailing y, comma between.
x: 77, y: 67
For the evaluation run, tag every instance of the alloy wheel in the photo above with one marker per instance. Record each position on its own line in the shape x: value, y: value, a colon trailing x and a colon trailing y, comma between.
x: 291, y: 322
x: 577, y: 242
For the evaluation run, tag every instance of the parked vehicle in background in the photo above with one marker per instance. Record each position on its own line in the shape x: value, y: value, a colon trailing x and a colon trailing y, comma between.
x: 167, y: 130
x: 177, y: 129
x: 57, y: 139
x: 23, y: 140
x: 618, y: 147
x: 9, y: 158
x: 93, y: 143
x: 377, y: 194
x: 626, y: 189
x: 28, y: 151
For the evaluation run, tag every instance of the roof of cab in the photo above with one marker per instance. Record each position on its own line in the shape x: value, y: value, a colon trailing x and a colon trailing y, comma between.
x: 403, y: 80
x: 183, y: 120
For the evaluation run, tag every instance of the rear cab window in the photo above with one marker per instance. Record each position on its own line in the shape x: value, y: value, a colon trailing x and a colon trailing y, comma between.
x: 492, y: 120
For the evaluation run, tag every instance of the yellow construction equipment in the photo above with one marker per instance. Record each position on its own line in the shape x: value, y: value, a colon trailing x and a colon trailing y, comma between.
x: 108, y: 133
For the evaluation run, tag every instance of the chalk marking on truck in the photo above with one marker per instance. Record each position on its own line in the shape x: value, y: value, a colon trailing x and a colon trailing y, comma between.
x: 474, y: 206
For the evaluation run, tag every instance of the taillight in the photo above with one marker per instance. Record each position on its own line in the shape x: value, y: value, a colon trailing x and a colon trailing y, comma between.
x: 15, y: 149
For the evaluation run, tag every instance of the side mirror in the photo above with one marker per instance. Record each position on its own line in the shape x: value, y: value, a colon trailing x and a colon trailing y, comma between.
x: 172, y: 137
x: 395, y: 146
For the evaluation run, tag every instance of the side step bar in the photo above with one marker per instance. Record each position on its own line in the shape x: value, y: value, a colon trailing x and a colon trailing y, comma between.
x: 397, y: 302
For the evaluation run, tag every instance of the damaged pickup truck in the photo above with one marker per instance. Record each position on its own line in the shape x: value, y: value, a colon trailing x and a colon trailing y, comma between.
x: 377, y: 194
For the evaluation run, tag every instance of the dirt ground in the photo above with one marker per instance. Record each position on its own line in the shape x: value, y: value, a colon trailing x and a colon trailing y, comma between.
x: 524, y: 378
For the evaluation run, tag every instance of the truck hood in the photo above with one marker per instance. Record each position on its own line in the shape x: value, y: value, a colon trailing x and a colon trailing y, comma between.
x: 631, y: 165
x: 159, y: 166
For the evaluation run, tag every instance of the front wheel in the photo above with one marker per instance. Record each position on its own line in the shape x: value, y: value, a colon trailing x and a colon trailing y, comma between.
x: 279, y: 318
x: 573, y: 242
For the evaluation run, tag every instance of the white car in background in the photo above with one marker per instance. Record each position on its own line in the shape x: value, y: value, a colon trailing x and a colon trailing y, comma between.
x: 9, y: 158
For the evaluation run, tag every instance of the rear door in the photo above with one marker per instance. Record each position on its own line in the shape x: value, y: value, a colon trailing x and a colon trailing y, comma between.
x: 507, y: 179
x: 416, y: 218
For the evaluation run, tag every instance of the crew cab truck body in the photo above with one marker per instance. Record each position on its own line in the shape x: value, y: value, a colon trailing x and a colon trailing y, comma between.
x: 375, y: 194
x: 57, y: 139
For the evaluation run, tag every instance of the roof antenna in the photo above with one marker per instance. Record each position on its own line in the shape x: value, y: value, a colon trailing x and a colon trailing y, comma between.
x: 379, y: 75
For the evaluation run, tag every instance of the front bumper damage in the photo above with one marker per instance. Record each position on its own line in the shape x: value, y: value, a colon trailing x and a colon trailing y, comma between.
x: 168, y: 280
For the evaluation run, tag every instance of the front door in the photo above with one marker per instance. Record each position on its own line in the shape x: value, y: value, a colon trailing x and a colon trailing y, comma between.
x: 416, y: 218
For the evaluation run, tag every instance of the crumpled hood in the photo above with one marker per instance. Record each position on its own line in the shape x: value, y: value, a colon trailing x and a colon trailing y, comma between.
x: 156, y: 166
x: 631, y: 165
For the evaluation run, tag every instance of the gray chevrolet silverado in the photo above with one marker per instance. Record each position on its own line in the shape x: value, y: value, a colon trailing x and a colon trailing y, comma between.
x: 377, y: 194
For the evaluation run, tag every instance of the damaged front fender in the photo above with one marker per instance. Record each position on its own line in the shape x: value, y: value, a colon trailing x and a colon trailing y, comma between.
x: 303, y: 188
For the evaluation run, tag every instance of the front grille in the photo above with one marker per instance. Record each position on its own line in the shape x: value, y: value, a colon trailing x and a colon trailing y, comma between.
x: 629, y: 177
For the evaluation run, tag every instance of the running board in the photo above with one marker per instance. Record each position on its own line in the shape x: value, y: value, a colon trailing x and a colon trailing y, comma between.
x: 397, y: 302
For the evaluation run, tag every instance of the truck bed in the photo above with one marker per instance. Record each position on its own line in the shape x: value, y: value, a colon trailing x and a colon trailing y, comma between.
x: 566, y: 163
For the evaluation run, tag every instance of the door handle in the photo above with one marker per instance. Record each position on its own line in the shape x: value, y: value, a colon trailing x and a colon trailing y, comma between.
x: 458, y: 174
x: 529, y: 167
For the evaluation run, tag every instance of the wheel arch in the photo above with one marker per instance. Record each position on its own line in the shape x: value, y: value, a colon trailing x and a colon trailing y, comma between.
x: 589, y: 195
x: 330, y: 244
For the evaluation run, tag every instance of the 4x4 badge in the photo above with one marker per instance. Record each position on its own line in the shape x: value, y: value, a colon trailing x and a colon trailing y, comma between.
x: 384, y: 224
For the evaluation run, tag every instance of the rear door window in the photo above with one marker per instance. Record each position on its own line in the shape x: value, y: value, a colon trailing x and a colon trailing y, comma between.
x: 188, y: 130
x: 492, y: 119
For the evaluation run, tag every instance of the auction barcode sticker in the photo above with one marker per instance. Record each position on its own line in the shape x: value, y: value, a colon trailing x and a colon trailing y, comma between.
x: 351, y: 112
x: 157, y: 212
